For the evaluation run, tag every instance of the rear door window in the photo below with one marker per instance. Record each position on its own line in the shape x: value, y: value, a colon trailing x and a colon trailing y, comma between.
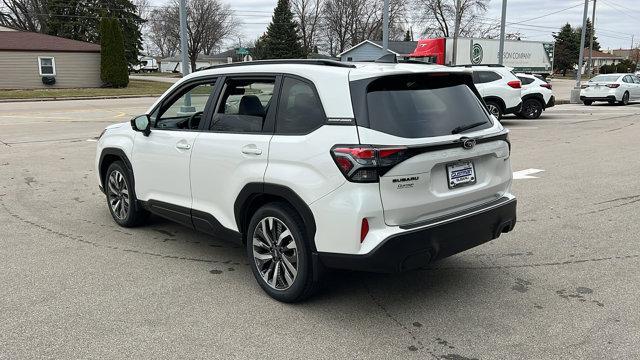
x: 481, y: 77
x: 243, y: 105
x: 413, y: 106
x: 525, y: 80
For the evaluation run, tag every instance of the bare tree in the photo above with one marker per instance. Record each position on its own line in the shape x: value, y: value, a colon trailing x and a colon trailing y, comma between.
x: 307, y: 13
x: 438, y: 17
x: 338, y: 16
x: 162, y: 33
x: 26, y: 15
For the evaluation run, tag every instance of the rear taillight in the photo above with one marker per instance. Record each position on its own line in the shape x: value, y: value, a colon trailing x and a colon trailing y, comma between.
x: 515, y: 84
x: 548, y: 86
x: 364, y: 229
x: 584, y: 86
x: 365, y: 163
x: 613, y: 86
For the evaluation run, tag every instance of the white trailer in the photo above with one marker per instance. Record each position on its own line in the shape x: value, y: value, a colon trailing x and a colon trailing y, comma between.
x: 524, y: 56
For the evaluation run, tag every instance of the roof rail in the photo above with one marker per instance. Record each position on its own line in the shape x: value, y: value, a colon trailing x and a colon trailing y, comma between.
x: 472, y: 65
x: 323, y: 62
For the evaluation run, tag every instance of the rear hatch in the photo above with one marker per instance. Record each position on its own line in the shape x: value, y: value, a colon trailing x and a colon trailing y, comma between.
x: 438, y: 150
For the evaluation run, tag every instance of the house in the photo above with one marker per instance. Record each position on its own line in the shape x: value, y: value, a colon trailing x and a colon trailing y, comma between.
x: 631, y: 54
x: 31, y: 60
x: 598, y: 59
x: 370, y: 50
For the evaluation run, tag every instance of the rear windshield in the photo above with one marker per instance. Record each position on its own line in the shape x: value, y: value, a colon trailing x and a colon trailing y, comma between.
x: 605, y: 78
x: 414, y: 106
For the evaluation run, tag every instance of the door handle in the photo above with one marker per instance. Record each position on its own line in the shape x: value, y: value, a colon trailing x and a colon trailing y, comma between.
x: 183, y: 146
x: 251, y: 150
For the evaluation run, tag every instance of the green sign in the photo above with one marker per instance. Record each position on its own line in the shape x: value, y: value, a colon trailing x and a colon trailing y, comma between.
x: 242, y: 51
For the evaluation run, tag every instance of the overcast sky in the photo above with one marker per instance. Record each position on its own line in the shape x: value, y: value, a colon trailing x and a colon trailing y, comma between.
x: 616, y: 20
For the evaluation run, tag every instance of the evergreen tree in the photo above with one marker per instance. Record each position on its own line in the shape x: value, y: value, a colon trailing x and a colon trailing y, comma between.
x: 587, y: 39
x: 567, y: 49
x: 80, y: 20
x: 407, y: 36
x: 281, y: 40
x: 113, y: 65
x: 259, y: 50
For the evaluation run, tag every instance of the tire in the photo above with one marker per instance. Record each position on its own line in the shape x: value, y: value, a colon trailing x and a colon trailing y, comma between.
x: 531, y: 109
x: 625, y: 99
x: 121, y: 198
x: 587, y: 102
x: 611, y: 102
x: 276, y: 277
x: 494, y: 109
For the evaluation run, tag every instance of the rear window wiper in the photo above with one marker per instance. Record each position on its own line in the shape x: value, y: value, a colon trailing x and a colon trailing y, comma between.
x: 460, y: 129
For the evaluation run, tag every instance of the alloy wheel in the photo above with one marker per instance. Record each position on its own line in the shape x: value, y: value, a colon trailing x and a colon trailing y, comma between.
x: 275, y: 253
x: 118, y: 195
x: 493, y: 110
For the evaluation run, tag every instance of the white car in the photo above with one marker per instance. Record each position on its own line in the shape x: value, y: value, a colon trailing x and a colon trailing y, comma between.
x: 537, y: 96
x: 620, y: 88
x: 314, y: 164
x: 499, y: 87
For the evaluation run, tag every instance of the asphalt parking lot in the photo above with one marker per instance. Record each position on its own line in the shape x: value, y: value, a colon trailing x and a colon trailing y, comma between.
x: 563, y: 285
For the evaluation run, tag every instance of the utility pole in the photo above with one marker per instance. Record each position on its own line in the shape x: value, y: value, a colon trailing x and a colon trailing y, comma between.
x: 575, y: 93
x: 593, y: 27
x: 183, y: 38
x: 502, y: 30
x: 385, y: 26
x: 456, y: 33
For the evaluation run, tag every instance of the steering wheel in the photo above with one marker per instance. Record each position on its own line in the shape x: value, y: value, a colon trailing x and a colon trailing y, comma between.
x: 193, y: 116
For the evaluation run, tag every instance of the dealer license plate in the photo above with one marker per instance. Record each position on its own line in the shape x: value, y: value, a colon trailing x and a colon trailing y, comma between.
x: 460, y: 174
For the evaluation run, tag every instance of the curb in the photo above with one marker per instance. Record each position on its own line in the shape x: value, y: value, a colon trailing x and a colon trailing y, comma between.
x: 80, y: 98
x: 562, y: 102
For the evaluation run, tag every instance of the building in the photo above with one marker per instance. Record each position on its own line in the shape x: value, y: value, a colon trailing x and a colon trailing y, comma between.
x: 173, y: 63
x: 370, y: 50
x: 31, y: 60
x: 598, y: 59
x: 631, y: 54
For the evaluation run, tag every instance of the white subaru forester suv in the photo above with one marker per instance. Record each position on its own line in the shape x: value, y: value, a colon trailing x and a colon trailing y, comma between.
x: 317, y: 164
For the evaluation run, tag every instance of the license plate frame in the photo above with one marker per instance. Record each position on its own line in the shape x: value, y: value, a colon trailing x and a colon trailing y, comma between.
x: 461, y: 173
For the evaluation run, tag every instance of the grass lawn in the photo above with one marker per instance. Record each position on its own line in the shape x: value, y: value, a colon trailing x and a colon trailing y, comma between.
x: 136, y: 87
x: 161, y: 74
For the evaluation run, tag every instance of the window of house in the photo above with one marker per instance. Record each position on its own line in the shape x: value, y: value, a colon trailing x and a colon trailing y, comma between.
x: 46, y: 66
x: 300, y: 110
x: 244, y: 105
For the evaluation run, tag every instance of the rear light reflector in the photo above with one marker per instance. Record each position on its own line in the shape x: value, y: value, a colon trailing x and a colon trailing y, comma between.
x: 364, y: 229
x: 548, y: 86
x: 613, y: 86
x: 515, y: 84
x: 365, y: 163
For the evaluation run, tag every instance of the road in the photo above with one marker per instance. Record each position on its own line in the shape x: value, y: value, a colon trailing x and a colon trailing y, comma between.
x: 563, y: 285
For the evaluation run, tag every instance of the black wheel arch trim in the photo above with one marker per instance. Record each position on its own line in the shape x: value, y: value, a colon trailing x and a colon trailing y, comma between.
x: 495, y: 99
x: 537, y: 97
x: 110, y: 151
x: 252, y: 191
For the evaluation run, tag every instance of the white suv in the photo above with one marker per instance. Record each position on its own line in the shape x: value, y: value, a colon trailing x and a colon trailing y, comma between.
x: 317, y: 164
x: 499, y: 87
x: 537, y: 96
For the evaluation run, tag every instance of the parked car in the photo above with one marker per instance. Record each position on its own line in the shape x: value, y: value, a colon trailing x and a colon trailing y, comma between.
x: 612, y: 88
x: 314, y: 164
x: 537, y: 96
x: 499, y: 87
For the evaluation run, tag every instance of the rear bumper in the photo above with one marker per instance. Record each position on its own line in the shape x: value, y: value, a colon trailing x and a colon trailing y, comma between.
x: 598, y: 98
x: 551, y: 102
x: 418, y: 247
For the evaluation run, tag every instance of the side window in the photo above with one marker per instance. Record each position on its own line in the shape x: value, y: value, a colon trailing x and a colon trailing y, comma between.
x: 626, y: 79
x: 185, y: 111
x: 485, y: 77
x: 636, y: 80
x: 243, y: 105
x: 525, y: 80
x: 299, y: 109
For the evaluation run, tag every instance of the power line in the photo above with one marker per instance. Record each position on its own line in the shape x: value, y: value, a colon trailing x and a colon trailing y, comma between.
x: 545, y: 15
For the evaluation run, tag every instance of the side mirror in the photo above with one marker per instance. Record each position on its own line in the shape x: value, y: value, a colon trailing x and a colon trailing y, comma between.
x: 141, y: 123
